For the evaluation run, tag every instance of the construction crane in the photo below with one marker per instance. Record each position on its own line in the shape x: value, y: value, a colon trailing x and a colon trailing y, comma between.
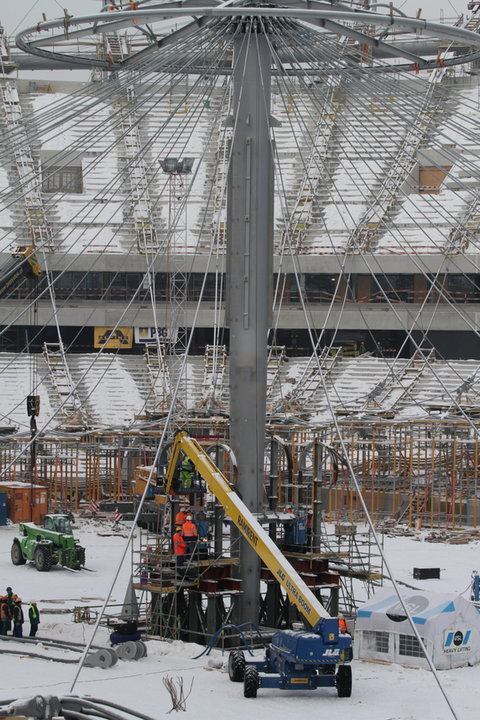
x: 294, y: 659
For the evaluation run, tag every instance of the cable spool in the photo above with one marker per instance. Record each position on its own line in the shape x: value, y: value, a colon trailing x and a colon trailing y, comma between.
x: 128, y: 650
x: 101, y: 658
x: 141, y: 649
x: 113, y: 654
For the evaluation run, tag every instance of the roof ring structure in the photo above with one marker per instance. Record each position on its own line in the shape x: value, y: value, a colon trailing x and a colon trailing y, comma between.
x: 366, y: 27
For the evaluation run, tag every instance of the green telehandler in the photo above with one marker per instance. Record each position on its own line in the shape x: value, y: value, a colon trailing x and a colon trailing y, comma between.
x: 48, y: 544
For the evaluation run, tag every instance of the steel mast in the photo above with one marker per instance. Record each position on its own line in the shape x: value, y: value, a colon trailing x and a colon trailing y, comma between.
x: 249, y: 269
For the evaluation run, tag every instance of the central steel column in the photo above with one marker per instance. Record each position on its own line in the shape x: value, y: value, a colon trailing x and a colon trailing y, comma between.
x: 249, y: 278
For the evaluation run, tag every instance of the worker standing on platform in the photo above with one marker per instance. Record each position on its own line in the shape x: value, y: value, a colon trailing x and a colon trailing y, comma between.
x: 203, y: 535
x: 190, y: 534
x: 186, y: 474
x: 179, y: 547
x: 289, y: 530
x: 180, y: 518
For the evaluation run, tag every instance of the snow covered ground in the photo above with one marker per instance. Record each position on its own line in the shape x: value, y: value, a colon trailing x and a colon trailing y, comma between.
x: 380, y: 692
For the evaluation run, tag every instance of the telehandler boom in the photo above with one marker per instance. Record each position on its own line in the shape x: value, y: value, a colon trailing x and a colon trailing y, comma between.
x: 294, y: 659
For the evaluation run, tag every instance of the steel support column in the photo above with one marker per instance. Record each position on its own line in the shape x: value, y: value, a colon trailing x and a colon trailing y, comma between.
x: 249, y: 277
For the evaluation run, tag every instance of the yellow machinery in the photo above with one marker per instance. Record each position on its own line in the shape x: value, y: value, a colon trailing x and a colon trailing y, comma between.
x: 302, y: 660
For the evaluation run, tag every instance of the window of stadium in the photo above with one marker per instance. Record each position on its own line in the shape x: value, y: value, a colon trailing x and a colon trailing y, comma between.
x: 66, y: 179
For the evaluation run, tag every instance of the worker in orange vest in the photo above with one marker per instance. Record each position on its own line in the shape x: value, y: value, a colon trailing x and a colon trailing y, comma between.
x: 180, y: 517
x: 179, y: 547
x: 190, y: 533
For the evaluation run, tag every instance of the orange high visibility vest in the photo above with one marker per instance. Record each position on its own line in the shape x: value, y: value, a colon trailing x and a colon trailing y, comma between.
x: 179, y: 544
x: 189, y: 529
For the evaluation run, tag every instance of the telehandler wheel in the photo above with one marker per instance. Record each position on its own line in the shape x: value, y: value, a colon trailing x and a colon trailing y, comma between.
x: 42, y: 558
x: 343, y: 681
x: 236, y: 666
x: 81, y: 556
x: 16, y: 554
x: 250, y: 682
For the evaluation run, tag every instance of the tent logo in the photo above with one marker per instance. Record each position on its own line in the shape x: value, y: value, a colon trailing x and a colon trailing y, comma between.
x: 457, y: 641
x: 415, y: 604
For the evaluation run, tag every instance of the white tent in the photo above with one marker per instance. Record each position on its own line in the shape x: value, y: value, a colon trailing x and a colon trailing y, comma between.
x: 449, y: 627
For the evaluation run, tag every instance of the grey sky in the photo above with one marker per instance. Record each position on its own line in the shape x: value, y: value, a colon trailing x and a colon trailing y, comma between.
x: 24, y: 13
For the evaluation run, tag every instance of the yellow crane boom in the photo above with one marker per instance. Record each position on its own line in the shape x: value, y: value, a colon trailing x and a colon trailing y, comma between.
x: 297, y: 590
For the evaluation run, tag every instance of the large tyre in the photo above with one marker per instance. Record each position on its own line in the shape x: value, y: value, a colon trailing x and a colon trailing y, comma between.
x: 42, y: 558
x: 16, y: 554
x: 236, y: 666
x: 250, y: 682
x: 80, y: 556
x: 343, y: 681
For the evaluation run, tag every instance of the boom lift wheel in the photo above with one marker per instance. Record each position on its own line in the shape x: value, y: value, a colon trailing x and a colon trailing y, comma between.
x: 343, y: 681
x: 42, y: 559
x: 250, y: 682
x: 16, y: 554
x: 236, y: 665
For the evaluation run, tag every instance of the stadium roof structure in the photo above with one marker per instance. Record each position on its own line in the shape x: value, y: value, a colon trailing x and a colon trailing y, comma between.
x: 372, y: 133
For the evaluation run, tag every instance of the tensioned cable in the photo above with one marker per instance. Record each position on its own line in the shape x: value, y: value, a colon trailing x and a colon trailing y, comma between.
x: 105, y: 126
x: 184, y: 203
x: 346, y: 288
x: 467, y: 188
x: 367, y: 515
x: 425, y: 334
x: 120, y: 177
x: 367, y: 125
x: 144, y: 495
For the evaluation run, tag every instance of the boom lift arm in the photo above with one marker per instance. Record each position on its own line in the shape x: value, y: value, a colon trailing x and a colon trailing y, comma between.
x: 297, y: 590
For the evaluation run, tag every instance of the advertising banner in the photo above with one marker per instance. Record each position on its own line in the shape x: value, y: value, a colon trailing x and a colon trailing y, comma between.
x: 107, y: 337
x: 148, y: 335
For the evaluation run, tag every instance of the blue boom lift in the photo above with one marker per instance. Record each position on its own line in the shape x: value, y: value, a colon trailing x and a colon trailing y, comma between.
x: 294, y: 659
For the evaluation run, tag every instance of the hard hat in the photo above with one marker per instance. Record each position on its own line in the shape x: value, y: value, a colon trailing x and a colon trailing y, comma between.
x: 189, y: 517
x: 179, y: 527
x: 18, y: 600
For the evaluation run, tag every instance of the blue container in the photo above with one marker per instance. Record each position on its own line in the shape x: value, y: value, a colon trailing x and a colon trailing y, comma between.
x: 3, y: 508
